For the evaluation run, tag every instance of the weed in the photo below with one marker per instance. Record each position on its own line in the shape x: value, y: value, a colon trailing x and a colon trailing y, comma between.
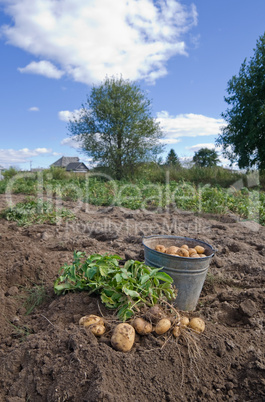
x: 20, y: 331
x: 35, y: 297
x: 212, y: 279
x: 32, y: 297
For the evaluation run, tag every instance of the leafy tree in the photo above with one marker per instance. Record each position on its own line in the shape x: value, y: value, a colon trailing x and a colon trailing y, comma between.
x: 243, y: 138
x: 172, y: 159
x: 206, y: 157
x: 115, y: 126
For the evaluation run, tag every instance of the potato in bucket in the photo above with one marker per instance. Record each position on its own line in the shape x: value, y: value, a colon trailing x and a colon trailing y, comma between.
x: 188, y: 272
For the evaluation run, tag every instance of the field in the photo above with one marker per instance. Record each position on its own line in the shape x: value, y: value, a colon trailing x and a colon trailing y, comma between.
x: 44, y: 355
x: 199, y: 190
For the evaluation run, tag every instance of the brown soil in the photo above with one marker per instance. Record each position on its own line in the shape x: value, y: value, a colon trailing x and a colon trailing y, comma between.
x: 45, y: 356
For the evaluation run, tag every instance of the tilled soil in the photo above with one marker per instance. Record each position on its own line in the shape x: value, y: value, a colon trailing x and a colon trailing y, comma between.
x: 45, y: 356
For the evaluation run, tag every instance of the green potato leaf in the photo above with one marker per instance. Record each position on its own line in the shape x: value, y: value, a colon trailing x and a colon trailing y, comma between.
x: 162, y: 276
x: 125, y: 288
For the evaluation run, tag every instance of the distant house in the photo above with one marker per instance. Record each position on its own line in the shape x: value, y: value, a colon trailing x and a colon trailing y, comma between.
x: 65, y: 160
x: 76, y: 167
x: 71, y: 164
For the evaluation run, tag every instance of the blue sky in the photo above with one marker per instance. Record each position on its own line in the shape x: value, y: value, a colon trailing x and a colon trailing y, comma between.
x: 183, y: 53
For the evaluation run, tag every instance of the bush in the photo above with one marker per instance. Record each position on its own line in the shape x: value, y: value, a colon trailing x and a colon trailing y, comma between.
x: 57, y: 173
x: 9, y: 173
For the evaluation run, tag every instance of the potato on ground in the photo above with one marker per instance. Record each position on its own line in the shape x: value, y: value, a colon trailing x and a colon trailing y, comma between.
x: 91, y: 319
x: 155, y: 313
x: 142, y: 326
x: 123, y: 337
x: 176, y: 331
x: 197, y: 324
x: 184, y: 321
x: 97, y: 329
x: 162, y: 326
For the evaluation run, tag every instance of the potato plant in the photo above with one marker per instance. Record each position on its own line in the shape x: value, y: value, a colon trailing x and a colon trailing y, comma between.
x: 194, y: 189
x: 31, y: 212
x: 125, y: 288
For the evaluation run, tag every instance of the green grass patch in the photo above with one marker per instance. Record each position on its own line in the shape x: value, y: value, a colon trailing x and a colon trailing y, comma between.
x: 36, y: 212
x: 33, y: 297
x: 20, y: 332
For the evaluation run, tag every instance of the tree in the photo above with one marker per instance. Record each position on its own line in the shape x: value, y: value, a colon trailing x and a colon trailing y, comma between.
x: 172, y: 159
x: 206, y: 157
x: 116, y: 128
x: 243, y: 138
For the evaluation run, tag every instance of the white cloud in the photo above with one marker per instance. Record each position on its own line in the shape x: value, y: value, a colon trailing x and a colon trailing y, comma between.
x: 174, y: 127
x: 188, y: 125
x: 66, y: 115
x: 186, y: 161
x: 42, y: 68
x: 12, y: 156
x: 34, y: 109
x: 197, y: 147
x: 92, y: 39
x: 39, y: 151
x: 89, y: 162
x: 72, y: 142
x: 168, y: 141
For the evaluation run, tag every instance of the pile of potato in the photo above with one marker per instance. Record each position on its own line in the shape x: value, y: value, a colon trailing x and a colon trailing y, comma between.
x: 154, y: 320
x: 183, y: 251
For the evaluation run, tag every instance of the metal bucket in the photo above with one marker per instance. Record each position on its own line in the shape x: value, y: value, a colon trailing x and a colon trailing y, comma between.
x: 188, y: 273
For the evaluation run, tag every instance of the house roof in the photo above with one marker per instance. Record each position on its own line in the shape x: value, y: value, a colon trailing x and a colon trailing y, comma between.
x: 65, y: 160
x: 76, y: 166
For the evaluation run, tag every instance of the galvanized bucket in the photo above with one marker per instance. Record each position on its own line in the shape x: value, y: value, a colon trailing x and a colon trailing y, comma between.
x: 188, y: 273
